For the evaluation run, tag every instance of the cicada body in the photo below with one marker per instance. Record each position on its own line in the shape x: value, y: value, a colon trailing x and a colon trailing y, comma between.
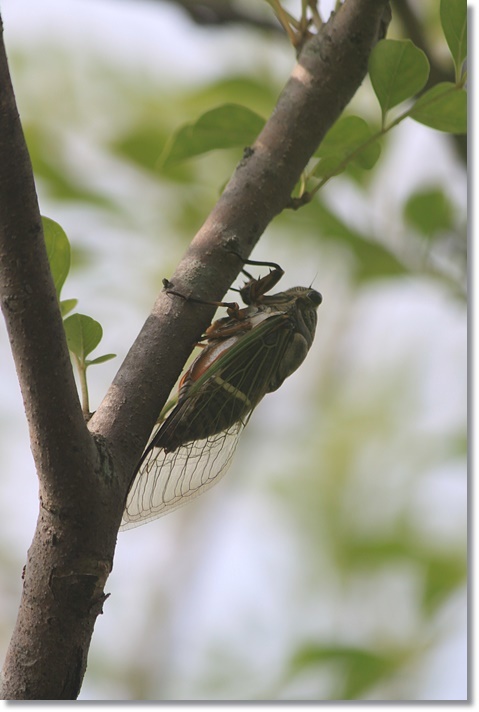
x: 247, y: 354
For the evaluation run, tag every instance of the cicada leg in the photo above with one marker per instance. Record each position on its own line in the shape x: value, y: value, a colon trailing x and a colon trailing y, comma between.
x: 253, y: 291
x: 224, y: 328
x: 232, y: 307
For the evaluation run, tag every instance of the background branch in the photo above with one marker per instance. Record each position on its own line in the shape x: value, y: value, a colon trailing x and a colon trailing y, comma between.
x: 224, y: 12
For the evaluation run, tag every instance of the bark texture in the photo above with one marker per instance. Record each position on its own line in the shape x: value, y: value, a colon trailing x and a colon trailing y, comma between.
x: 84, y: 472
x: 71, y: 553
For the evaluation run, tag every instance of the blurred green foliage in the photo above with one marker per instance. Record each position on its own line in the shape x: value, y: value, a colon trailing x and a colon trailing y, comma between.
x: 336, y: 486
x: 454, y: 26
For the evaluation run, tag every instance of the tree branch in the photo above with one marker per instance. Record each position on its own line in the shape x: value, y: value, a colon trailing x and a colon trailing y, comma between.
x: 224, y: 12
x: 83, y: 488
x: 330, y: 69
x: 68, y: 562
x: 30, y: 306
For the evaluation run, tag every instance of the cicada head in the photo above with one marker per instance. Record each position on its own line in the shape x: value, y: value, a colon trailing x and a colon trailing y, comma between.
x: 307, y: 301
x: 301, y: 304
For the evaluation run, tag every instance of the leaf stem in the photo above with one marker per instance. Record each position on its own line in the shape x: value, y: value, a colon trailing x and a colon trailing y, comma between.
x: 306, y: 196
x: 85, y: 400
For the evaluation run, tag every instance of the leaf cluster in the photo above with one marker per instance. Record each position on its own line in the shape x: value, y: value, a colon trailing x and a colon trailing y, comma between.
x: 398, y: 72
x: 82, y: 332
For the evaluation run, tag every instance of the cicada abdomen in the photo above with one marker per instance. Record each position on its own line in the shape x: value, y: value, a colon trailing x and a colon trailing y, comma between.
x: 247, y: 354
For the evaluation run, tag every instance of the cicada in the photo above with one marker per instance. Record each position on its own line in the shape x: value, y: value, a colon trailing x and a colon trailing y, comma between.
x: 245, y: 355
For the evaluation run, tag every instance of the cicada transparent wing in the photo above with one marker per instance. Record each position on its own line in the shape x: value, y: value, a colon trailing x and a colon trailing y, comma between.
x: 192, y: 449
x: 167, y: 480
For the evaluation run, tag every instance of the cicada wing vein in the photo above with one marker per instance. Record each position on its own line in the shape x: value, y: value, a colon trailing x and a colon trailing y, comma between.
x: 167, y: 480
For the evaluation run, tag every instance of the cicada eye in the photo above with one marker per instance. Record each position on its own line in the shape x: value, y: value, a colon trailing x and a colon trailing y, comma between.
x: 315, y: 297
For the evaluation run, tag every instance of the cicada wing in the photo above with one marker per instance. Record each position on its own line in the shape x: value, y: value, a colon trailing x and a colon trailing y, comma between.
x: 219, y: 402
x: 167, y: 480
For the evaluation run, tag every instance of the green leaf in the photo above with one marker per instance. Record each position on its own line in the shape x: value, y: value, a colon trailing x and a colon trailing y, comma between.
x: 454, y: 25
x: 258, y: 93
x: 142, y: 144
x: 443, y: 576
x: 100, y: 359
x: 58, y: 251
x: 429, y: 211
x: 441, y: 573
x: 83, y: 334
x: 66, y: 305
x: 226, y: 126
x: 53, y: 170
x: 444, y: 107
x: 342, y: 145
x: 398, y: 70
x: 373, y: 260
x: 361, y: 668
x: 329, y: 166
